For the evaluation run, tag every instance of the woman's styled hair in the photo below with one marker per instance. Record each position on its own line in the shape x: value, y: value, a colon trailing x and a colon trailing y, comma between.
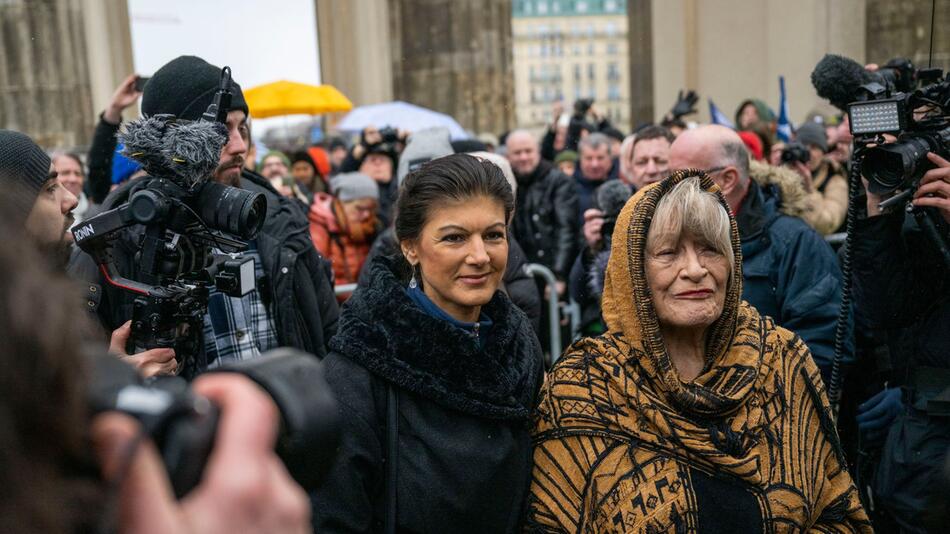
x: 690, y: 209
x: 448, y: 179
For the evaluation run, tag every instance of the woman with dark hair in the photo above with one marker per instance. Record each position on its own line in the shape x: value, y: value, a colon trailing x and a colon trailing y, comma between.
x: 435, y: 370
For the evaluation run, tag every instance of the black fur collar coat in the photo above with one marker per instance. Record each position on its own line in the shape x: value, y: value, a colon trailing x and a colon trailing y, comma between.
x: 464, y: 450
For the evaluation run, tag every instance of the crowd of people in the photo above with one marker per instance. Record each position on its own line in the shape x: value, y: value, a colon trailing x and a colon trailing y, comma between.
x: 691, y: 393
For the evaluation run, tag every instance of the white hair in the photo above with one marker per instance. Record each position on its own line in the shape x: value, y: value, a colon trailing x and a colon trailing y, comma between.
x: 690, y: 209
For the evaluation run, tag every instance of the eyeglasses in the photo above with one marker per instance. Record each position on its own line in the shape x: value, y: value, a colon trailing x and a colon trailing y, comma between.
x: 713, y: 170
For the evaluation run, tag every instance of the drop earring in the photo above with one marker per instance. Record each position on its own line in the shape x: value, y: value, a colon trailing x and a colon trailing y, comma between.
x: 412, y: 281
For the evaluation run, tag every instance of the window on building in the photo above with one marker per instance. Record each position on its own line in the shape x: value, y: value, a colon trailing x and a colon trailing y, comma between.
x: 613, y: 71
x: 591, y: 71
x: 612, y: 49
x: 610, y: 29
x: 532, y: 74
x: 613, y: 92
x: 581, y: 6
x: 542, y: 7
x: 610, y: 6
x: 577, y: 72
x: 556, y: 7
x: 590, y: 30
x: 577, y: 50
x: 544, y: 50
x: 590, y: 49
x: 577, y: 92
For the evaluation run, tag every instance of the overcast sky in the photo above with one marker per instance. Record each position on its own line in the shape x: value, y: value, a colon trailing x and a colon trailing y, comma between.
x: 262, y: 41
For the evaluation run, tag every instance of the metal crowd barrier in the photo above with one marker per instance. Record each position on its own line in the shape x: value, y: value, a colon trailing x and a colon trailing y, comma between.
x: 554, y: 311
x: 343, y: 289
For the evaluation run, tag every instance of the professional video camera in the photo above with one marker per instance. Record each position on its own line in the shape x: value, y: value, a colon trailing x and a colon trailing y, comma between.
x: 183, y: 425
x: 185, y: 215
x: 899, y: 100
x: 919, y: 117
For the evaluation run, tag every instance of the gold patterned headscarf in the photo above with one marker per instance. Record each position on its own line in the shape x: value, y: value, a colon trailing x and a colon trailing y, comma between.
x: 622, y: 444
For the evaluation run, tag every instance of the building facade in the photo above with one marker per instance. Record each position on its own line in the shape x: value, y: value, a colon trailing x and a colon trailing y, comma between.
x: 570, y: 49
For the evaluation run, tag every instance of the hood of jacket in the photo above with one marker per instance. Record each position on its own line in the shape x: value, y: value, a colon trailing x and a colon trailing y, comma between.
x: 321, y: 212
x: 384, y: 331
x: 782, y: 184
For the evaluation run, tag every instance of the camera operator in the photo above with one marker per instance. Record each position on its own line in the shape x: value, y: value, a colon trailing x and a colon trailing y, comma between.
x: 902, y: 288
x: 293, y: 303
x: 825, y: 184
x: 41, y: 205
x: 50, y: 478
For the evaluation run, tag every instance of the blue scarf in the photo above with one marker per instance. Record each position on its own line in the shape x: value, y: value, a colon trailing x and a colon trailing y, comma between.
x: 480, y: 330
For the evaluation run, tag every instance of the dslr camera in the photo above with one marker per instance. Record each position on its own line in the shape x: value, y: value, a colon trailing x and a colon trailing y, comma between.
x: 183, y: 425
x: 795, y: 152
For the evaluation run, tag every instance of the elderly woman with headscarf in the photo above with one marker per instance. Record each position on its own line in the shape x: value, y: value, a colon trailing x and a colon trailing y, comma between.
x: 693, y: 413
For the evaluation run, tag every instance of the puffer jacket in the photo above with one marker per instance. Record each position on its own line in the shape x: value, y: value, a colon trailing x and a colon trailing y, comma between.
x: 790, y: 273
x: 545, y: 221
x: 345, y: 247
x: 297, y: 290
x: 462, y: 426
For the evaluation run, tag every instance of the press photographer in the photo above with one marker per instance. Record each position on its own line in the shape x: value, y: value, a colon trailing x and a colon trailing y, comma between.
x: 291, y: 302
x: 901, y: 279
x: 826, y: 187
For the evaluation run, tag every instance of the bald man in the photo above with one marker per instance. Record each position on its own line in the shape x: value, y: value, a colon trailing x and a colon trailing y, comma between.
x: 545, y: 221
x: 789, y: 272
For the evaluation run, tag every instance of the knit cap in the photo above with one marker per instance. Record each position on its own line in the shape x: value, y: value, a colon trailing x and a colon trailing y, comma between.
x: 24, y: 168
x: 565, y: 155
x: 812, y: 133
x: 353, y: 185
x: 283, y: 157
x: 423, y: 146
x: 185, y: 87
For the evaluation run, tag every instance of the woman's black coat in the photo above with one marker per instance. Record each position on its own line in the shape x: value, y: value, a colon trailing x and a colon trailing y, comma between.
x: 464, y: 452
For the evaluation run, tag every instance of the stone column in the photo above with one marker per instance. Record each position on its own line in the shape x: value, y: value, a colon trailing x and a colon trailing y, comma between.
x: 455, y: 56
x: 640, y: 35
x: 354, y: 47
x: 44, y: 73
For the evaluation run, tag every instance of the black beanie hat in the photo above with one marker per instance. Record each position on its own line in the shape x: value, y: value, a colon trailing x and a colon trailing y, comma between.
x: 185, y: 87
x: 24, y: 168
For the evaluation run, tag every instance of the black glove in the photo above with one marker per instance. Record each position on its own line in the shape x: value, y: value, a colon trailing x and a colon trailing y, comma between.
x: 877, y: 413
x: 685, y: 104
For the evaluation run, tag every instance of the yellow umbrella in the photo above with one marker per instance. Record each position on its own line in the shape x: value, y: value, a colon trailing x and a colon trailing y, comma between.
x: 292, y: 98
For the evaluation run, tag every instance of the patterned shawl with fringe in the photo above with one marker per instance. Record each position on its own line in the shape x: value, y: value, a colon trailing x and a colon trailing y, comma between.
x: 623, y: 445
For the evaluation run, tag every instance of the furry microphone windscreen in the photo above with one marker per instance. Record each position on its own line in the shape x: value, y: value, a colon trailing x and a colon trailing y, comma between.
x: 839, y: 80
x: 184, y: 151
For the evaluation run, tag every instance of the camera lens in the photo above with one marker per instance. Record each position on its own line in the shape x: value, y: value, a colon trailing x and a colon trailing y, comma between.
x: 231, y: 209
x: 888, y: 167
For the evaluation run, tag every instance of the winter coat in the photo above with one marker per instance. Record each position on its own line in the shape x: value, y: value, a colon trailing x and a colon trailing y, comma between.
x: 298, y: 290
x: 463, y: 423
x: 790, y: 273
x: 346, y: 248
x: 545, y: 221
x: 902, y: 293
x: 516, y: 282
x: 828, y: 202
x: 101, y: 151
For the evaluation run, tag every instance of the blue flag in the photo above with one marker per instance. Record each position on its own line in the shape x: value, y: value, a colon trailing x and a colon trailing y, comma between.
x: 784, y: 129
x: 719, y: 117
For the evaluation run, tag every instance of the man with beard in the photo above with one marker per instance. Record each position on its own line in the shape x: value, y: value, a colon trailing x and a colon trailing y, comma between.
x: 34, y: 196
x: 293, y: 303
